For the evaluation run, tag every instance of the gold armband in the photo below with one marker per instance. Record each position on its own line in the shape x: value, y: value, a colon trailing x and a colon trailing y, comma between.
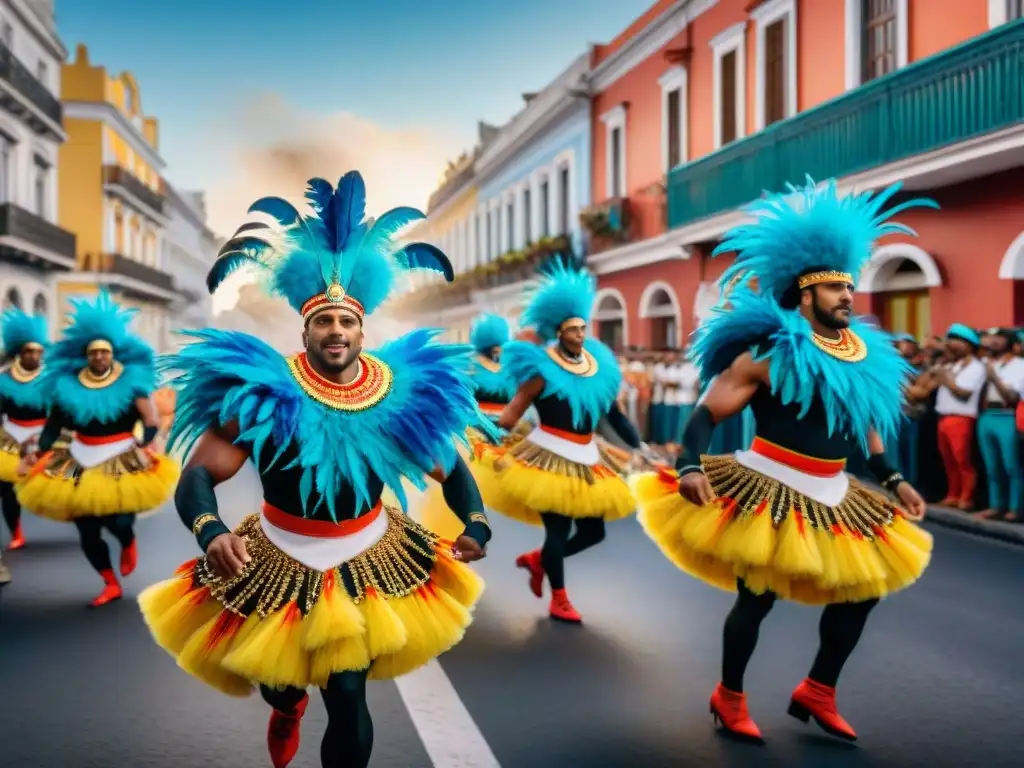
x: 479, y: 517
x: 201, y: 522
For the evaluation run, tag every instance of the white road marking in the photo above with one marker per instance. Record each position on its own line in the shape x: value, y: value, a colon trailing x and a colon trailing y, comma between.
x: 444, y: 725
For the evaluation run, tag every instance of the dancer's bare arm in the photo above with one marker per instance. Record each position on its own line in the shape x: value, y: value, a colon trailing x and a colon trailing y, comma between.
x: 215, y: 460
x: 728, y: 395
x: 514, y: 411
x: 150, y: 419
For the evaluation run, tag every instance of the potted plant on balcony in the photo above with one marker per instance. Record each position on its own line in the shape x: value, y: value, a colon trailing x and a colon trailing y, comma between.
x: 607, y: 223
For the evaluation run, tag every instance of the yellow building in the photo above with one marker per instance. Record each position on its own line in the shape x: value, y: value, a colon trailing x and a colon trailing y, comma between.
x: 112, y: 195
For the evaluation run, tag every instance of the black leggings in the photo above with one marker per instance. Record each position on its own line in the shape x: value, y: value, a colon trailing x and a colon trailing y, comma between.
x: 558, y: 545
x: 348, y: 741
x: 840, y: 629
x: 90, y: 532
x: 10, y: 505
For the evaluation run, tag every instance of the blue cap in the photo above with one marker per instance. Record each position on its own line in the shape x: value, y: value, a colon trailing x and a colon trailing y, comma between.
x: 904, y: 337
x: 961, y: 331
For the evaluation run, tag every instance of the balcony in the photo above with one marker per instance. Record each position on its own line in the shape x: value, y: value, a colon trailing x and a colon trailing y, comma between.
x: 31, y: 239
x: 609, y: 223
x: 43, y: 111
x: 117, y: 177
x: 961, y: 94
x: 118, y: 265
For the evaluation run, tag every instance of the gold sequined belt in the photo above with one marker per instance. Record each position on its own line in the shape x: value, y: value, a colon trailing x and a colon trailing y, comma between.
x: 319, y: 529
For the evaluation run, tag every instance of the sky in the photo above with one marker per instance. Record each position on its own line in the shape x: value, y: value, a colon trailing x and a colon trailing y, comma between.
x: 256, y: 95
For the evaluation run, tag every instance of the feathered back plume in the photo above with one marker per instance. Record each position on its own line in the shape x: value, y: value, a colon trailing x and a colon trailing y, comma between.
x: 303, y: 255
x: 808, y: 228
x: 488, y: 331
x: 18, y: 328
x: 562, y: 291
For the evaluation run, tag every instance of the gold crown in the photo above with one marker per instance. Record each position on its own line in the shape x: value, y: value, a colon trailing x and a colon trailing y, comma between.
x: 820, y: 278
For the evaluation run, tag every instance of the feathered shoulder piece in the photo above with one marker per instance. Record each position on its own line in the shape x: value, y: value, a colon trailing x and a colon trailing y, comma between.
x: 399, y: 428
x: 811, y: 228
x: 492, y: 378
x: 860, y: 393
x: 18, y: 328
x: 562, y: 291
x: 334, y: 257
x: 134, y: 375
x: 487, y: 332
x: 590, y: 388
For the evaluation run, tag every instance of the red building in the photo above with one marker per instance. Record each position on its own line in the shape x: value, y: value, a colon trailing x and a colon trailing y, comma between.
x: 699, y: 106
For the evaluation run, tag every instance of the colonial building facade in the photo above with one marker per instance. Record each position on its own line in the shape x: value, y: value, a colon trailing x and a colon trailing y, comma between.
x: 113, y: 195
x: 33, y: 247
x: 733, y: 97
x: 189, y: 250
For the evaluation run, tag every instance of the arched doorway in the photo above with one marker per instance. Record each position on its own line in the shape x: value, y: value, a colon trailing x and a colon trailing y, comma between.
x: 610, y: 316
x: 1012, y: 268
x: 12, y: 298
x: 660, y: 308
x: 899, y: 278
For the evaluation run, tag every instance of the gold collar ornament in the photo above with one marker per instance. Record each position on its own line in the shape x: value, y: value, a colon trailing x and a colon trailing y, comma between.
x: 586, y: 367
x: 371, y: 385
x: 90, y: 380
x: 22, y: 376
x: 848, y: 347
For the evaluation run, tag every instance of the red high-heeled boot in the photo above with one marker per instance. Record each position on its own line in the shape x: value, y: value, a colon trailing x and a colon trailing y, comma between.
x: 811, y: 699
x: 531, y: 562
x: 729, y: 710
x: 283, y: 734
x: 111, y: 590
x: 561, y: 609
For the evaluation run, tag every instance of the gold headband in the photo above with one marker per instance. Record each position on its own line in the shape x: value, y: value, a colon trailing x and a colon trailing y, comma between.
x: 99, y: 344
x: 333, y: 298
x: 821, y: 278
x: 569, y: 320
x: 31, y: 346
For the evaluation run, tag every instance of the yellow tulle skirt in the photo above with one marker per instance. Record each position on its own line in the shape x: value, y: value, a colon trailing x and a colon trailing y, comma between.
x: 10, y: 457
x: 136, y: 481
x: 393, y: 608
x: 521, y: 480
x: 778, y: 540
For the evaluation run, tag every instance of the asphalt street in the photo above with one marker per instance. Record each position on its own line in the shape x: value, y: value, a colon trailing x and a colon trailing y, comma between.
x: 937, y: 680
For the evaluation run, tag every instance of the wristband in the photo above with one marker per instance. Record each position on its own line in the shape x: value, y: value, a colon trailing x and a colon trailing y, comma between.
x: 880, y: 468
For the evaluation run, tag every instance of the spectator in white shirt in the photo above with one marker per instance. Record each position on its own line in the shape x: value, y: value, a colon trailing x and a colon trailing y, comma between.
x: 687, y: 390
x: 997, y: 428
x: 661, y: 384
x: 959, y: 384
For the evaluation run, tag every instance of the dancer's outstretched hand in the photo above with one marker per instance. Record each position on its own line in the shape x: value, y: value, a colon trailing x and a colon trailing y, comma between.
x: 26, y: 464
x: 467, y: 549
x: 696, y: 489
x: 913, y: 504
x: 227, y: 555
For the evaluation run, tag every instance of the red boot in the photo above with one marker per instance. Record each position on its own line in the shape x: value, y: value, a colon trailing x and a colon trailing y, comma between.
x: 561, y: 609
x: 811, y: 699
x: 729, y: 709
x: 283, y: 734
x: 18, y: 539
x: 129, y: 559
x: 111, y: 590
x: 531, y: 562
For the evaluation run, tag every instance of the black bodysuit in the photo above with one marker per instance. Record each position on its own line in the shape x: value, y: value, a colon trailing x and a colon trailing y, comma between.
x: 782, y: 425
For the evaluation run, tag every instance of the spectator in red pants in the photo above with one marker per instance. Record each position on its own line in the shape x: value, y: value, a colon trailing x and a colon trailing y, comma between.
x: 959, y: 389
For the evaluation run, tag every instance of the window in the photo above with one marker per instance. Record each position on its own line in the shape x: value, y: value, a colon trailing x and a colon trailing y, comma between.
x: 878, y: 40
x: 12, y: 299
x: 673, y: 125
x: 616, y: 150
x: 1014, y: 9
x: 729, y: 84
x: 478, y: 242
x: 41, y: 186
x: 527, y: 232
x: 41, y: 72
x: 545, y: 208
x: 39, y: 305
x: 7, y: 34
x: 563, y: 200
x: 490, y: 236
x: 510, y: 225
x: 775, y: 72
x: 6, y: 167
x: 728, y: 98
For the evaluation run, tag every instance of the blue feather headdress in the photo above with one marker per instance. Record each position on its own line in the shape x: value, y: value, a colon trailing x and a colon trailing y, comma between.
x: 810, y: 229
x: 100, y: 319
x: 333, y: 258
x: 18, y: 328
x: 562, y: 292
x: 488, y: 331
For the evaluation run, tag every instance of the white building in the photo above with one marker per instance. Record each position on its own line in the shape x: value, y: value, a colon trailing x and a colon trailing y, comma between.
x: 189, y: 250
x: 33, y: 249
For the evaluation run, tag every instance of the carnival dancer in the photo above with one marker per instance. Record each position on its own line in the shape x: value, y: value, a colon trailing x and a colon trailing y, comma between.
x: 326, y: 586
x: 99, y: 377
x: 783, y: 520
x: 559, y: 474
x: 23, y: 405
x: 493, y: 389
